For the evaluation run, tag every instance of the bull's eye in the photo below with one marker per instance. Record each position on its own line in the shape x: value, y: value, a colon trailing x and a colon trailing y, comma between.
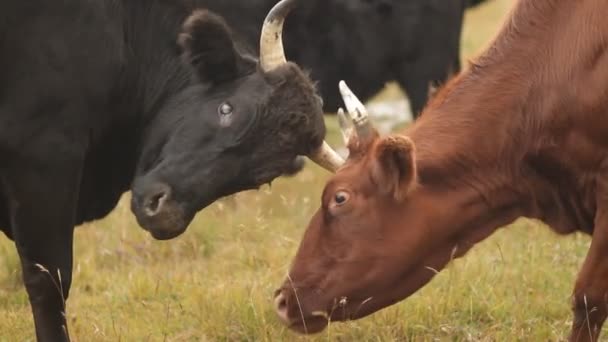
x: 225, y: 109
x: 341, y: 197
x: 225, y: 113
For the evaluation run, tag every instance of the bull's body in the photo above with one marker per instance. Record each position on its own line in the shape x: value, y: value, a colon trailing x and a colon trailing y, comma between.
x: 102, y: 95
x: 41, y: 78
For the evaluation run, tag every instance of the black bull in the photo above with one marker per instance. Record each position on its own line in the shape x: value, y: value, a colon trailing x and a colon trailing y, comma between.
x: 100, y: 96
x: 367, y: 43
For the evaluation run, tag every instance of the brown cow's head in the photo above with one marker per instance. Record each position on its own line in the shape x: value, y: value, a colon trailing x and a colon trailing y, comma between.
x: 375, y: 239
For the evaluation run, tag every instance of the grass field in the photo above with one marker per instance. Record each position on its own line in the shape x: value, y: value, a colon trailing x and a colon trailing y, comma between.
x: 215, y: 282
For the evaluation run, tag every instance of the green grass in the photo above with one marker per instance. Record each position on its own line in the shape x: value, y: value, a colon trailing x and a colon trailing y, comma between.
x: 215, y: 282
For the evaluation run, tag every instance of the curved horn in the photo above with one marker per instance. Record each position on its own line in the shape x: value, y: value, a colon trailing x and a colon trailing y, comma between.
x: 357, y: 112
x: 272, y: 55
x: 271, y: 43
x: 327, y: 158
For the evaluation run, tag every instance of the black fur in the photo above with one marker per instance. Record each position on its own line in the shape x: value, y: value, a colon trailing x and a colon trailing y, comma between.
x: 365, y: 42
x: 99, y: 96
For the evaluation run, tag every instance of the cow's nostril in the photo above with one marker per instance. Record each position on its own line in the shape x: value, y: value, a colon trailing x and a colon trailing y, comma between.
x: 280, y: 303
x: 153, y: 203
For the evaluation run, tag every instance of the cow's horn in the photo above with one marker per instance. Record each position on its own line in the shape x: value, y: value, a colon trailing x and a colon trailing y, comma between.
x: 346, y: 127
x: 358, y: 113
x: 271, y: 43
x: 327, y: 158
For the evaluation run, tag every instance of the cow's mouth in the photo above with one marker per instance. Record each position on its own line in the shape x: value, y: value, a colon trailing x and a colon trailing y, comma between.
x: 309, y: 325
x: 295, y: 312
x: 291, y: 312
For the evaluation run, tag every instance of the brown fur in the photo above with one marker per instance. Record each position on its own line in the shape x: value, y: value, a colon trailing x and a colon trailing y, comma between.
x: 522, y: 133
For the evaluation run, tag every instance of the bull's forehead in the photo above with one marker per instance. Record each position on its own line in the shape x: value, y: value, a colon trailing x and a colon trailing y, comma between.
x: 285, y: 81
x: 293, y: 75
x: 251, y: 87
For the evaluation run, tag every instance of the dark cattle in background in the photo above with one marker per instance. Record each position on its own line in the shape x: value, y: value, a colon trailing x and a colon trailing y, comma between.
x: 473, y: 3
x: 367, y: 43
x: 100, y: 96
x: 522, y: 133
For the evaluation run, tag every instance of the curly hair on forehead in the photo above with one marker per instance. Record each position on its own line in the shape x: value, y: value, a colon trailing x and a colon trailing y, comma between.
x: 294, y: 106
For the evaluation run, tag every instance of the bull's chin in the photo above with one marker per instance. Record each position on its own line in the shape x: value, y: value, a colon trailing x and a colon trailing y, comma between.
x: 166, y: 234
x: 165, y: 229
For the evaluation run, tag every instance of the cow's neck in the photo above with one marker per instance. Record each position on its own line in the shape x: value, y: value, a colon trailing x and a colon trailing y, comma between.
x: 468, y: 161
x: 482, y: 180
x: 494, y: 134
x: 470, y: 138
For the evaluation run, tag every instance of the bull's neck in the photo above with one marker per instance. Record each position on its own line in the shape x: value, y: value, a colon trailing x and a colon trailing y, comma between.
x: 153, y: 68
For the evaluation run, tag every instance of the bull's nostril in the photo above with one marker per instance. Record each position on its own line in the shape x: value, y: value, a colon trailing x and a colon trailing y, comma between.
x: 153, y: 204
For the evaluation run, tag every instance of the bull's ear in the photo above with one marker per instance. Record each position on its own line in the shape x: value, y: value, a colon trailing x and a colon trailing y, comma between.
x: 206, y: 42
x: 394, y: 165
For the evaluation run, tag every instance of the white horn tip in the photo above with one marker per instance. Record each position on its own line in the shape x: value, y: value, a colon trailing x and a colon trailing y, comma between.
x: 343, y: 86
x: 354, y: 106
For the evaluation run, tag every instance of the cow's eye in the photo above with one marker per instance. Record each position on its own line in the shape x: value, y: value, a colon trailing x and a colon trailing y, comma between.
x: 341, y: 197
x: 225, y: 109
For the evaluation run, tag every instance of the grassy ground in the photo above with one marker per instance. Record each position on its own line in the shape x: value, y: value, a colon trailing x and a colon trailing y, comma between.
x: 215, y: 282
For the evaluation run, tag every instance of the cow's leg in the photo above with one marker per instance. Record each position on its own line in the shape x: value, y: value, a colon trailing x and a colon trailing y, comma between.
x: 590, y: 296
x: 42, y: 206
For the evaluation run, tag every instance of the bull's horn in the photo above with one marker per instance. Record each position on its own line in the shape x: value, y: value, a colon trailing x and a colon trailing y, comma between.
x: 272, y: 55
x: 271, y: 43
x: 327, y: 158
x: 357, y: 112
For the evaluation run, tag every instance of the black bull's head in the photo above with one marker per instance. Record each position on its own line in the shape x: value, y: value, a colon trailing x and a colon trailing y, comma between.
x: 237, y: 125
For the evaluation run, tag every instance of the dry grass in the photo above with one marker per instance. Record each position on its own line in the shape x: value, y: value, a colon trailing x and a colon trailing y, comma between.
x: 215, y: 282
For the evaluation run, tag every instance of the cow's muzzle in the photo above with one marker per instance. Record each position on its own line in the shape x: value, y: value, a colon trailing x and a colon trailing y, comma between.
x: 157, y: 211
x: 292, y: 311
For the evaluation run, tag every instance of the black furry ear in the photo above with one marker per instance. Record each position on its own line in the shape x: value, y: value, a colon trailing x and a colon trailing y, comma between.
x: 207, y: 44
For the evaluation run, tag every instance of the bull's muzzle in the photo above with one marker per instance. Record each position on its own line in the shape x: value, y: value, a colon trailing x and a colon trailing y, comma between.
x: 157, y: 212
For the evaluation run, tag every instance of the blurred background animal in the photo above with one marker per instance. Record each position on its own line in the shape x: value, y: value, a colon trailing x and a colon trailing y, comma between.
x: 367, y: 43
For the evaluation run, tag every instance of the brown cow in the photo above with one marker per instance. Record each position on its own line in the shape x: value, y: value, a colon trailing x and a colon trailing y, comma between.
x: 522, y: 133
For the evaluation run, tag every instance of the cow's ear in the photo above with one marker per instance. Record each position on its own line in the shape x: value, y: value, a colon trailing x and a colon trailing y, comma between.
x: 206, y: 42
x: 394, y: 165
